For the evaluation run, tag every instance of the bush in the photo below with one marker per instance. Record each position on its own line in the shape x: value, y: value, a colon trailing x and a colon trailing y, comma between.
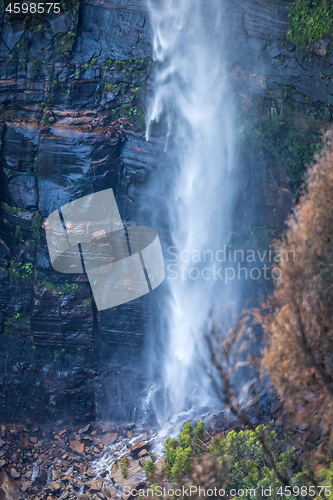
x: 297, y: 319
x: 20, y: 271
x: 310, y: 20
x: 245, y: 464
x: 236, y: 461
x: 150, y: 467
x: 178, y: 453
x: 124, y: 464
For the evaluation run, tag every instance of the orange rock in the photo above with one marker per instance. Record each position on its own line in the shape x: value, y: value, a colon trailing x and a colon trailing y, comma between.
x: 77, y: 446
x: 25, y: 442
x: 94, y: 485
x: 137, y: 447
x: 109, y: 438
x: 142, y: 453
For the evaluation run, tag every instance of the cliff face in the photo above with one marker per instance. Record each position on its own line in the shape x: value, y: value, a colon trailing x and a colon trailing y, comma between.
x: 73, y: 97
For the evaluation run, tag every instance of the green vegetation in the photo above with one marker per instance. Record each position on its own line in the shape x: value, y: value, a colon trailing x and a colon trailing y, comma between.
x: 276, y: 141
x: 69, y: 287
x: 18, y: 234
x: 239, y: 461
x: 22, y: 47
x: 107, y: 65
x: 283, y: 132
x: 36, y: 225
x: 64, y: 42
x: 63, y: 288
x: 20, y: 271
x: 109, y: 87
x: 45, y: 120
x: 150, y: 467
x: 244, y: 461
x: 124, y: 464
x: 35, y: 67
x: 310, y: 20
x: 263, y: 235
x: 86, y: 302
x: 178, y: 454
x: 134, y: 69
x: 16, y: 319
x: 9, y: 209
x: 58, y: 353
x: 130, y: 112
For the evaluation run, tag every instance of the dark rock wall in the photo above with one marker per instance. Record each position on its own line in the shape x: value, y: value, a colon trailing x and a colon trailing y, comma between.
x: 257, y: 34
x: 66, y: 132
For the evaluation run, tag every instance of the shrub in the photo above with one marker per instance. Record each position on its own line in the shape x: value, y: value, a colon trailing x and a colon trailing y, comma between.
x: 236, y: 461
x: 150, y: 467
x: 20, y: 271
x: 297, y: 319
x: 124, y: 464
x: 244, y: 463
x: 178, y: 453
x: 310, y: 20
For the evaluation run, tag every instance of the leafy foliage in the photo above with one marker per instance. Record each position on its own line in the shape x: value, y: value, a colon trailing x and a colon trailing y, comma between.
x: 275, y: 140
x: 150, y: 467
x: 310, y: 20
x: 64, y: 42
x: 16, y: 319
x: 124, y: 464
x: 245, y: 464
x: 131, y: 112
x: 20, y: 271
x: 236, y: 461
x: 178, y: 453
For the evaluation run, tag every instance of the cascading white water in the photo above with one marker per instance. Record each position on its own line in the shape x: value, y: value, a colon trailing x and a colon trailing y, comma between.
x: 192, y: 92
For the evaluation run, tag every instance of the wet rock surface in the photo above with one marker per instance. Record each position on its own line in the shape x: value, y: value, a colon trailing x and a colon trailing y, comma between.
x: 69, y: 126
x: 47, y: 462
x: 66, y: 461
x: 68, y: 347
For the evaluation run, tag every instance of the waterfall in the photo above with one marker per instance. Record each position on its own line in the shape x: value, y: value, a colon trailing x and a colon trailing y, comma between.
x: 192, y: 94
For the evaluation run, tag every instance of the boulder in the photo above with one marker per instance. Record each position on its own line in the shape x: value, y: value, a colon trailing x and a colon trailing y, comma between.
x: 53, y: 487
x: 41, y: 477
x: 77, y: 446
x: 137, y: 447
x: 94, y: 485
x: 14, y: 473
x: 25, y: 486
x: 4, y: 249
x: 84, y: 429
x: 9, y: 488
x: 109, y: 438
x: 23, y: 191
x: 135, y: 474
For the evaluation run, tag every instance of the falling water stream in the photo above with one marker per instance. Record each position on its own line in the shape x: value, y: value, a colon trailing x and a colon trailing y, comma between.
x: 193, y: 96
